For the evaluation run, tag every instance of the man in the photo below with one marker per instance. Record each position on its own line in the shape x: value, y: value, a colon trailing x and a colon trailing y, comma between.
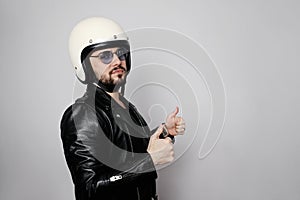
x: 109, y: 149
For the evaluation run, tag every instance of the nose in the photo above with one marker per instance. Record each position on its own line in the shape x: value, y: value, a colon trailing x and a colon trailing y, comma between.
x: 116, y: 61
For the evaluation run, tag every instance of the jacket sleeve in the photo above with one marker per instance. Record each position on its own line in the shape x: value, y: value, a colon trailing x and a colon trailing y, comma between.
x: 86, y: 153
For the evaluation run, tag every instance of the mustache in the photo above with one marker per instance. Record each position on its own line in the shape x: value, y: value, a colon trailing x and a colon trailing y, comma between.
x: 119, y: 67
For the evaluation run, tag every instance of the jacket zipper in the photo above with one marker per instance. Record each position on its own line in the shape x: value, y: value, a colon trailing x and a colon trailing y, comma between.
x: 138, y: 193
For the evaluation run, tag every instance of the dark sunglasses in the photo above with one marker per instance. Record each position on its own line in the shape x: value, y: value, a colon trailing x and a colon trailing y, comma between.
x: 107, y: 56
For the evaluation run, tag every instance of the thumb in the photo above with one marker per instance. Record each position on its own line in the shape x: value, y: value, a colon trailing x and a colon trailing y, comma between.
x: 175, y: 112
x: 158, y: 132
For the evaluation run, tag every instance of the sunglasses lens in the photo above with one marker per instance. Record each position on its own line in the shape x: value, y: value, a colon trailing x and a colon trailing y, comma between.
x: 106, y: 57
x: 122, y: 54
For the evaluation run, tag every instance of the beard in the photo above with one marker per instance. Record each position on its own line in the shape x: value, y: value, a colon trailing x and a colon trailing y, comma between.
x: 111, y: 80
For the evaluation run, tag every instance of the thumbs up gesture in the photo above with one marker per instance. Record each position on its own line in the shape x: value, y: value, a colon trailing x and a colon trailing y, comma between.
x: 175, y: 124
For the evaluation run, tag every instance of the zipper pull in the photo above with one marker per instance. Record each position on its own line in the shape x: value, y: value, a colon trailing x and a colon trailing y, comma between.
x: 115, y: 178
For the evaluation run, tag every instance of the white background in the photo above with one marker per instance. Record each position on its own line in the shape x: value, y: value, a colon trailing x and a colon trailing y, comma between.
x: 255, y: 46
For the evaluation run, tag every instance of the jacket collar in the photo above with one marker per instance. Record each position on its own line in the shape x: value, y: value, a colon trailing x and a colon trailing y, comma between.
x: 101, y: 99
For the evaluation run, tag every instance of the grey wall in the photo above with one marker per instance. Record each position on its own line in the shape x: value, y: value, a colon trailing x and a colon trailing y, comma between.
x: 252, y: 46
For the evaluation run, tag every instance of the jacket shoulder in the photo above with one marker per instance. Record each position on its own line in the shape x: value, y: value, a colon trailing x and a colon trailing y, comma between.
x: 81, y: 116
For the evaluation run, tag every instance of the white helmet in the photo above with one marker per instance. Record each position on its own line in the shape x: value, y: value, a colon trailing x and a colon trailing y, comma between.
x: 94, y: 33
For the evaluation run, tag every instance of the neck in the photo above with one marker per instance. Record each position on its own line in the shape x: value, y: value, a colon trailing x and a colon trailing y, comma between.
x: 114, y: 95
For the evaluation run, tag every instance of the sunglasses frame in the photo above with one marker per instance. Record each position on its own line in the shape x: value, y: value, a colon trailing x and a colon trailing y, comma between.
x: 100, y: 54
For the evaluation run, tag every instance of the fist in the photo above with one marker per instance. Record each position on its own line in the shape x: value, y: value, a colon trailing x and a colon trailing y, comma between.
x: 175, y: 124
x: 161, y: 150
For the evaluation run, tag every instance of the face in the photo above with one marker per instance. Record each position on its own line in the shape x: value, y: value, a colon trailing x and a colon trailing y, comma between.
x: 113, y: 72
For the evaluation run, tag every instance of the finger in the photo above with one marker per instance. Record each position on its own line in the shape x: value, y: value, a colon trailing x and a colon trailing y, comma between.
x: 168, y: 139
x: 158, y: 131
x: 180, y: 130
x: 179, y: 120
x: 182, y: 123
x: 180, y: 127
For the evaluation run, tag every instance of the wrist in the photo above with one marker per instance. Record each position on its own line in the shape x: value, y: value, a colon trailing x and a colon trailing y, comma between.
x: 165, y: 133
x: 153, y: 157
x: 166, y: 125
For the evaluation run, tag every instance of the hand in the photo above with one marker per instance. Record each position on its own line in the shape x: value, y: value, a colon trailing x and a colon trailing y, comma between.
x: 174, y: 124
x: 161, y: 150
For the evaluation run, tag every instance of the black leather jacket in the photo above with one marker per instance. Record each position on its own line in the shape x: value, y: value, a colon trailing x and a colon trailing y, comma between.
x: 105, y: 147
